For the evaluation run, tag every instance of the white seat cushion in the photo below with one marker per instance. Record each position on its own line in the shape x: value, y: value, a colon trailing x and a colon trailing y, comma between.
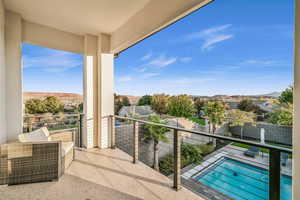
x: 40, y: 135
x: 66, y: 147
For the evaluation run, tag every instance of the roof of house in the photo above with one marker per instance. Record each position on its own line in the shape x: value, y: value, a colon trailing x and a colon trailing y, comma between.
x: 136, y: 110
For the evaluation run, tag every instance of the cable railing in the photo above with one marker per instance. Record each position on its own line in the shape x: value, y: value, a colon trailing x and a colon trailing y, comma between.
x: 232, y: 167
x: 56, y: 123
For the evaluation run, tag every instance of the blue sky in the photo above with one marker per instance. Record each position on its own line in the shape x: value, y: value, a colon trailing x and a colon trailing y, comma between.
x: 49, y: 70
x: 228, y: 47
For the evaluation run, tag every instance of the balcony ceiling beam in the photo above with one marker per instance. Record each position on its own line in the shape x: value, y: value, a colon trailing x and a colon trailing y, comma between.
x: 155, y: 16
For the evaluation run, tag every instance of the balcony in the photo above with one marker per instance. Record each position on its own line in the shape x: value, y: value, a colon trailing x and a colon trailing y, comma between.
x: 226, y: 171
x: 101, y: 174
x: 98, y: 171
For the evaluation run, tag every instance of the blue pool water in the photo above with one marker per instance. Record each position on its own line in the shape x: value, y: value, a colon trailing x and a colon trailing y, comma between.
x: 241, y: 181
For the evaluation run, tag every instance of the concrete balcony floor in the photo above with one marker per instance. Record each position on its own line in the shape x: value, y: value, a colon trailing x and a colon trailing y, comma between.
x: 101, y: 174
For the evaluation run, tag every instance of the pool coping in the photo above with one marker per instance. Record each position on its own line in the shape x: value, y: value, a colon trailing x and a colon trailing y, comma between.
x: 191, y: 171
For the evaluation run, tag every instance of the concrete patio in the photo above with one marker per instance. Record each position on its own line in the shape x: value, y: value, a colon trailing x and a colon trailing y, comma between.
x: 101, y: 174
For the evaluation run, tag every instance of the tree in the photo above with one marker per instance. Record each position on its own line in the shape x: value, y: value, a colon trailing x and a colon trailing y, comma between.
x: 181, y: 106
x: 215, y: 112
x: 125, y: 101
x: 120, y: 101
x: 145, y: 100
x: 240, y: 118
x: 199, y: 106
x: 156, y: 134
x: 35, y: 106
x: 53, y: 104
x: 286, y: 96
x: 282, y: 115
x: 160, y: 103
x: 247, y: 105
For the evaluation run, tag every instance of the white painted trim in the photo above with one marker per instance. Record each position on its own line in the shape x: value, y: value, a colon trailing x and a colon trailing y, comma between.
x: 296, y: 124
x: 41, y: 35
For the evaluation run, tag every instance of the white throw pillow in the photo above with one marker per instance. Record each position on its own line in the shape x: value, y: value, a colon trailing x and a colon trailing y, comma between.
x: 40, y: 135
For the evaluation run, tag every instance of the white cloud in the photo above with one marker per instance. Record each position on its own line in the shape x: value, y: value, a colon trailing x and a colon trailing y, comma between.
x: 265, y: 62
x: 163, y: 61
x: 209, y: 42
x: 185, y: 59
x: 147, y: 56
x: 211, y: 36
x: 52, y: 61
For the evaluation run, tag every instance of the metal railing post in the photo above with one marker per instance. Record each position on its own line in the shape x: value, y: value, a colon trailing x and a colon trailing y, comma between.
x: 177, y: 160
x: 274, y: 175
x: 135, y: 141
x: 112, y: 132
x: 80, y: 130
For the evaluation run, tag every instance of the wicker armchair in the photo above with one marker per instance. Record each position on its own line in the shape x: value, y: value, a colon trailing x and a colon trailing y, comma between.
x: 36, y: 161
x: 67, y: 139
x: 30, y: 162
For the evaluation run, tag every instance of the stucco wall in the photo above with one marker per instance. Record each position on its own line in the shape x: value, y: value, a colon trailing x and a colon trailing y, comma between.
x: 3, y: 135
x: 273, y: 133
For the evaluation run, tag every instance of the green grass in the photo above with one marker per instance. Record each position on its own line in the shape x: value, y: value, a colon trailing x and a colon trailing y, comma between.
x: 245, y: 146
x: 198, y: 121
x: 264, y: 150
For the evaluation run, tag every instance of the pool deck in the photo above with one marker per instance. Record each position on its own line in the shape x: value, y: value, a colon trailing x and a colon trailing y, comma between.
x: 237, y: 153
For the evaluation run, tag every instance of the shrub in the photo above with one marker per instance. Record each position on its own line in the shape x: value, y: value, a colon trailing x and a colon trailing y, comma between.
x: 190, y: 154
x: 206, y: 149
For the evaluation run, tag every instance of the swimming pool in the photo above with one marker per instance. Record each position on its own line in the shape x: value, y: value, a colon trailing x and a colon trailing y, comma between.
x: 241, y: 181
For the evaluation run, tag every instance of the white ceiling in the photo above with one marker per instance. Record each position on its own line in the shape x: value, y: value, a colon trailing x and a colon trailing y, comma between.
x: 77, y: 16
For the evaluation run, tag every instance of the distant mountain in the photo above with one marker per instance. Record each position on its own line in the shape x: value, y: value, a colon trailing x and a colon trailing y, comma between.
x: 66, y: 98
x: 273, y: 94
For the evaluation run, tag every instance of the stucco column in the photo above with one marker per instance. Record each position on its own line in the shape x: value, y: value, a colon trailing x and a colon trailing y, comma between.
x: 106, y: 88
x: 90, y: 91
x: 296, y: 130
x: 13, y: 72
x: 3, y: 133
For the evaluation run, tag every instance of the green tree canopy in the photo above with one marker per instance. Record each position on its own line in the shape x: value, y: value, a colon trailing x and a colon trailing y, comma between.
x: 181, y: 106
x: 247, y: 105
x: 286, y: 96
x: 282, y: 115
x: 215, y: 112
x: 125, y: 101
x: 199, y: 106
x: 240, y: 118
x: 120, y: 101
x: 145, y: 100
x: 35, y: 106
x: 160, y: 103
x: 53, y: 105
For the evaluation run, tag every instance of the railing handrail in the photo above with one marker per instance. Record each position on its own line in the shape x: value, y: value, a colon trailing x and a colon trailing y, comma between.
x: 55, y: 115
x: 267, y: 146
x: 61, y: 130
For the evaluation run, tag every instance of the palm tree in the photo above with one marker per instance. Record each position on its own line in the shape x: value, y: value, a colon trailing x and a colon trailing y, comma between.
x: 156, y: 134
x: 215, y: 112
